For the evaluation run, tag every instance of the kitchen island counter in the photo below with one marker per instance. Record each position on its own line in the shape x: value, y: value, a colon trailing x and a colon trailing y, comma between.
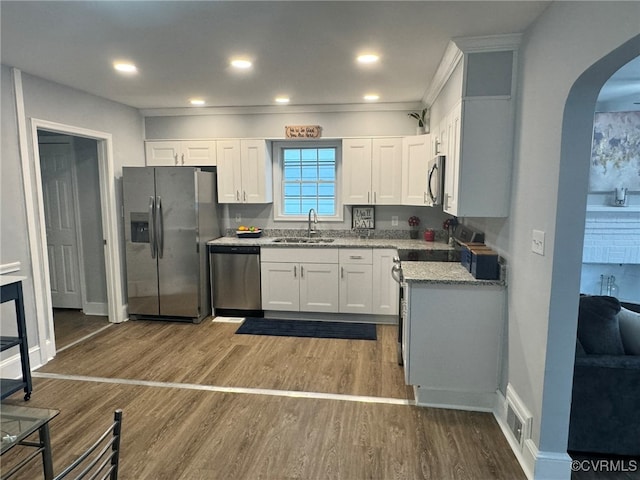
x: 443, y: 273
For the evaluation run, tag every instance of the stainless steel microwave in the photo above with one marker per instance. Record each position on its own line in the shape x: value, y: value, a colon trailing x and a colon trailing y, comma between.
x: 435, y: 181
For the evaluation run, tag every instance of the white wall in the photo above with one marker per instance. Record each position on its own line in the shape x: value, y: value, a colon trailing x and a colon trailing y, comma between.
x: 549, y: 189
x: 45, y: 100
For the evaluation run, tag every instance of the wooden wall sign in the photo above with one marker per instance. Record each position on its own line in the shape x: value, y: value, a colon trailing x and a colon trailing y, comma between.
x: 302, y: 131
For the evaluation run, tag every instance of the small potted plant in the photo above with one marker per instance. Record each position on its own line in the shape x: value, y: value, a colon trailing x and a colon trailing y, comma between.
x: 414, y: 222
x: 449, y: 226
x: 423, y: 120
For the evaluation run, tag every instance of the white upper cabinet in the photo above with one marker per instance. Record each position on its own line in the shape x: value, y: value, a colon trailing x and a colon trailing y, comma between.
x: 371, y: 171
x: 473, y: 116
x: 415, y: 156
x: 199, y: 153
x: 244, y: 171
x: 181, y: 153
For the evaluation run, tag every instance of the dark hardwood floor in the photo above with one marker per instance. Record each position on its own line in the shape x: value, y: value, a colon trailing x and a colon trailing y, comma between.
x: 71, y: 325
x: 178, y: 426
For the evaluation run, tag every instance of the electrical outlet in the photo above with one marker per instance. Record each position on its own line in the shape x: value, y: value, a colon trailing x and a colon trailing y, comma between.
x: 238, y: 218
x: 537, y: 242
x: 394, y: 221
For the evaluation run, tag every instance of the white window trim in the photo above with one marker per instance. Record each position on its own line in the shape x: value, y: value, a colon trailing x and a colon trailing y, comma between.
x: 277, y: 180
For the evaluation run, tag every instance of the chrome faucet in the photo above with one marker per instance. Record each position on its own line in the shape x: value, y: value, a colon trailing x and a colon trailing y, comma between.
x: 315, y: 222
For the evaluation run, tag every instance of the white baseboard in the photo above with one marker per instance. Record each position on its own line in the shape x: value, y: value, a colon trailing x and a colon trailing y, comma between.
x: 12, y: 368
x: 536, y: 465
x: 95, y: 308
x: 457, y: 400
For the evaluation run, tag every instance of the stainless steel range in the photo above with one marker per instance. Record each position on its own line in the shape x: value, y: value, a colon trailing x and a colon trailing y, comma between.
x: 461, y: 234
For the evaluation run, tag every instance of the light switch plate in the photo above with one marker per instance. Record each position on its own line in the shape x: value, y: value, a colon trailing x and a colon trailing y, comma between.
x: 537, y: 242
x: 394, y: 220
x: 238, y: 218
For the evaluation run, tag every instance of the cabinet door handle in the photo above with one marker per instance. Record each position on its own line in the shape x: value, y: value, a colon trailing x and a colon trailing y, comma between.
x: 238, y: 195
x: 176, y: 158
x: 295, y: 271
x: 244, y: 194
x: 341, y: 272
x: 301, y: 271
x: 183, y: 159
x: 355, y: 257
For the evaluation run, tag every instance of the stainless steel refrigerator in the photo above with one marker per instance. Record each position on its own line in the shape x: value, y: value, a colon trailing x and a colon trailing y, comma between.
x: 170, y: 213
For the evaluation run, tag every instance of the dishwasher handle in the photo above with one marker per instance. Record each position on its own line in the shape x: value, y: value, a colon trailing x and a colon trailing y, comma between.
x: 234, y: 249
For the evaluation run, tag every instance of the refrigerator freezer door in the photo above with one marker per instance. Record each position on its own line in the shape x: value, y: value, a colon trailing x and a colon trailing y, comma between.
x: 142, y: 271
x: 177, y: 239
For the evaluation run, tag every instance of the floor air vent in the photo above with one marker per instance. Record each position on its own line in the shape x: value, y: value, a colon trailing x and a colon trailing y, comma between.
x: 518, y: 417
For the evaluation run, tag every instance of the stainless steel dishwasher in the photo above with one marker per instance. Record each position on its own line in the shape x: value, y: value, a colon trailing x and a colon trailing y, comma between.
x: 235, y: 280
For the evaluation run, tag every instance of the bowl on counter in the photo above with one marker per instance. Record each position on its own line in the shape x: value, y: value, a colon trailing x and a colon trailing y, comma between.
x: 249, y: 234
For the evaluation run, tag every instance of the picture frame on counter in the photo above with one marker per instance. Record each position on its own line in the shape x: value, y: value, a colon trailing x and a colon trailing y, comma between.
x: 363, y: 217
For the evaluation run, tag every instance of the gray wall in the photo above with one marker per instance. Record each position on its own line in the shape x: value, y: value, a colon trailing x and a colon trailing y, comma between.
x: 549, y: 193
x: 45, y: 100
x: 271, y: 125
x: 13, y: 221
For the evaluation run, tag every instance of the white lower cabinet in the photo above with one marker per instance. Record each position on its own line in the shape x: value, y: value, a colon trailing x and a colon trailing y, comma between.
x: 299, y: 279
x: 385, y: 290
x: 356, y: 280
x: 280, y: 286
x: 318, y: 287
x: 329, y: 280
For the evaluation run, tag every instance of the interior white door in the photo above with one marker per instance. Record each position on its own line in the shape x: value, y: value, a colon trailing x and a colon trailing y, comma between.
x: 60, y: 220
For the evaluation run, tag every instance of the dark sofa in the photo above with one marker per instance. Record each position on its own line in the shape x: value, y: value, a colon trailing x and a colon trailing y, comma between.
x: 605, y: 406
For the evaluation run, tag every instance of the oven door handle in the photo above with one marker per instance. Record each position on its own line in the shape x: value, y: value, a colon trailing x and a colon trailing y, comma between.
x: 396, y: 272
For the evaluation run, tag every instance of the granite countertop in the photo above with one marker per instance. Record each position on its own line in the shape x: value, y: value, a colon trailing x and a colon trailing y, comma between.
x: 342, y: 242
x: 443, y: 273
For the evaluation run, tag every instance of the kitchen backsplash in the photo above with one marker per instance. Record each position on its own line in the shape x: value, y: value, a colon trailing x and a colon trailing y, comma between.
x: 440, y: 235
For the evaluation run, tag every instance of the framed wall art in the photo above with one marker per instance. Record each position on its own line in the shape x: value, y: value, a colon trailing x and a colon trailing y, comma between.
x: 363, y: 217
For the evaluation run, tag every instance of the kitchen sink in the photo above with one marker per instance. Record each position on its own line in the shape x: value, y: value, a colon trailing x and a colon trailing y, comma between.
x: 302, y: 240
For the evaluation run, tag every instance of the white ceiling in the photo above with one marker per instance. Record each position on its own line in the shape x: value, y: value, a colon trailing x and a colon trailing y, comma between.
x: 303, y: 49
x: 622, y: 90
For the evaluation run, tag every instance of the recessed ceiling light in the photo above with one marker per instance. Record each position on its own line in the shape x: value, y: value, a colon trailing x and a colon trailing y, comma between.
x: 241, y: 63
x: 371, y: 97
x: 282, y: 99
x: 368, y: 58
x: 125, y: 67
x: 196, y: 101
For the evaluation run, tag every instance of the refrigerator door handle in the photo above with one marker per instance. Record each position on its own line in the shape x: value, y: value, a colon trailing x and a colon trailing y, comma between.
x: 152, y: 227
x: 160, y: 227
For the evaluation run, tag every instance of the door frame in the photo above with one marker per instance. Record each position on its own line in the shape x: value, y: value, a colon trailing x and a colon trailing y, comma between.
x: 38, y: 247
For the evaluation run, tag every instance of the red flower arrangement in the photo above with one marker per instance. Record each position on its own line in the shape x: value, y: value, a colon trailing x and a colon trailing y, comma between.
x: 450, y: 223
x: 414, y: 221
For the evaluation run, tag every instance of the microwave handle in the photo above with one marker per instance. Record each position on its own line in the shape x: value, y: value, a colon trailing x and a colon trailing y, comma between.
x: 433, y: 170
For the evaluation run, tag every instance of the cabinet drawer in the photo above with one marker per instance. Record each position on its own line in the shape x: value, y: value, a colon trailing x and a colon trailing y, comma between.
x: 299, y: 255
x: 356, y: 255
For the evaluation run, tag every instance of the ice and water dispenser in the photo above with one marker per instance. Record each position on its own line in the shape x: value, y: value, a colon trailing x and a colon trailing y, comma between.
x: 139, y: 227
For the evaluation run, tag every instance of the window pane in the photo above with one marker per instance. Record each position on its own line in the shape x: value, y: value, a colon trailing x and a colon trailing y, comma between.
x: 309, y: 180
x: 310, y: 154
x: 327, y: 172
x: 326, y: 207
x: 292, y: 207
x: 292, y: 173
x: 292, y: 190
x: 326, y: 190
